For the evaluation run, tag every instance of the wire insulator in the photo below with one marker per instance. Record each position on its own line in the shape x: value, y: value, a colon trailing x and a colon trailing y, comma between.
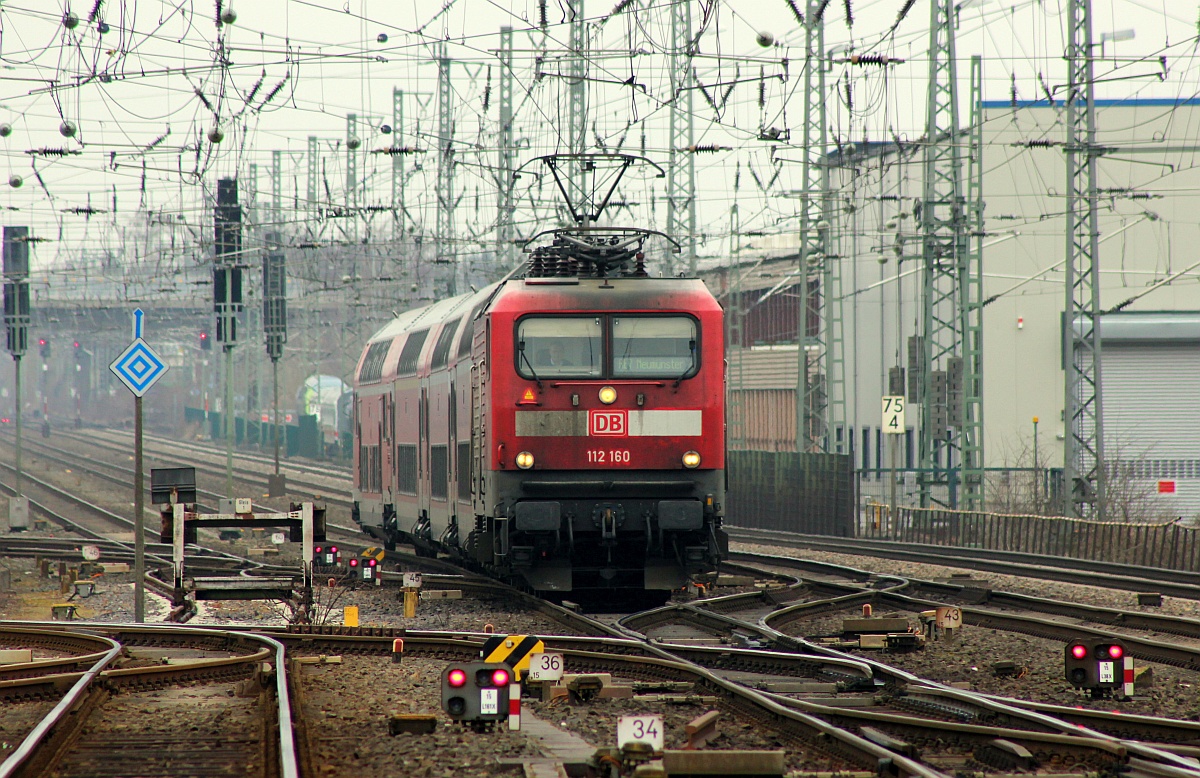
x: 155, y: 143
x: 204, y: 100
x: 819, y: 14
x: 254, y: 90
x: 796, y: 12
x: 271, y: 95
x: 849, y: 96
x: 706, y: 148
x: 1013, y: 90
x: 95, y: 11
x: 870, y: 59
x: 849, y: 14
x: 620, y: 7
x: 908, y: 4
x: 396, y: 151
x: 762, y: 88
x: 542, y: 15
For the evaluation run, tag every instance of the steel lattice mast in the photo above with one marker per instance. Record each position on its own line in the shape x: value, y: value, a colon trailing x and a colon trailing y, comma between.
x: 972, y: 306
x: 681, y: 169
x: 398, y: 204
x: 577, y: 104
x: 444, y: 252
x: 811, y: 399
x: 1084, y: 440
x: 505, y: 249
x: 947, y: 291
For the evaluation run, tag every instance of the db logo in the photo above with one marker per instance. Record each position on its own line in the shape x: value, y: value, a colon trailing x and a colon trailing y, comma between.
x: 608, y: 423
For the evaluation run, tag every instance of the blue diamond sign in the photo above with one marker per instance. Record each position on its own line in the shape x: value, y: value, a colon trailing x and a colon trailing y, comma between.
x: 138, y: 367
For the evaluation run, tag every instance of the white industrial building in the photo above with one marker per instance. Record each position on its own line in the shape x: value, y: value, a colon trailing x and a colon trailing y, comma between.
x: 1149, y: 190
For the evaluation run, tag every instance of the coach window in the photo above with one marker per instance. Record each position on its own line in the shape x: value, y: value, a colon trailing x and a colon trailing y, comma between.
x: 654, y: 346
x: 560, y: 347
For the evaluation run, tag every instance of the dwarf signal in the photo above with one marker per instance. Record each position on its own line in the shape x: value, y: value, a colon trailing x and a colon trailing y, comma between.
x: 1096, y: 664
x: 476, y: 693
x: 366, y: 569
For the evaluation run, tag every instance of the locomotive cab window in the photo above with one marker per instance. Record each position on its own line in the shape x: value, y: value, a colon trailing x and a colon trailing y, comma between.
x: 654, y: 346
x: 560, y: 346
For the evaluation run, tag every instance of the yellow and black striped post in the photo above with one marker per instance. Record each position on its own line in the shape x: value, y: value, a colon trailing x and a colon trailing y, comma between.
x: 512, y: 650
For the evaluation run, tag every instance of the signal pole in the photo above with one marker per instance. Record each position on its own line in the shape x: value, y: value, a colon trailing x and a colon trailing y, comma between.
x: 16, y: 325
x: 275, y: 328
x: 227, y: 299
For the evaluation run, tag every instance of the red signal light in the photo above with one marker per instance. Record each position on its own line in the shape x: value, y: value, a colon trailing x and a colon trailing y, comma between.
x: 317, y: 550
x: 500, y: 678
x: 371, y: 563
x: 457, y: 677
x: 333, y: 549
x: 1079, y: 652
x: 41, y: 341
x: 354, y: 563
x: 1116, y: 652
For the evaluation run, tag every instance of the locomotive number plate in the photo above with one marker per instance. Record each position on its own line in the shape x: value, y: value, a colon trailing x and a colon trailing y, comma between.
x: 608, y: 456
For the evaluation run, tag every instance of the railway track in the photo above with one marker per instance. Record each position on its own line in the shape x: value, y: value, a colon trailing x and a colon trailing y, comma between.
x: 120, y: 477
x: 1174, y: 583
x: 212, y: 698
x: 754, y: 641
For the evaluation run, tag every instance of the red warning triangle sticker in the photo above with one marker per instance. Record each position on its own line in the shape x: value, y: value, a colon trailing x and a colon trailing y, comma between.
x: 528, y: 397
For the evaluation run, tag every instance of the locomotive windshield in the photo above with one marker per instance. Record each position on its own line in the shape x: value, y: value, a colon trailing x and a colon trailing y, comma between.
x: 558, y: 346
x: 572, y: 347
x: 653, y: 346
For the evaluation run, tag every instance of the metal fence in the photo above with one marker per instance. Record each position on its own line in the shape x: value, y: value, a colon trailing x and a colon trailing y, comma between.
x: 1011, y: 490
x: 783, y: 490
x: 1168, y: 545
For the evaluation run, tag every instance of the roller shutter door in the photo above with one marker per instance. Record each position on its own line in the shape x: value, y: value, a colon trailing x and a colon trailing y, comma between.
x: 1152, y: 420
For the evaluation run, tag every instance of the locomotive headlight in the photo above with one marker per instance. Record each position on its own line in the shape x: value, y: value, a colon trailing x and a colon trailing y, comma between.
x: 525, y: 460
x: 691, y: 460
x: 608, y: 395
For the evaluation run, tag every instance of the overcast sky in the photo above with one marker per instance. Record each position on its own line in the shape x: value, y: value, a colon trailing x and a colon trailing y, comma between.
x: 145, y: 94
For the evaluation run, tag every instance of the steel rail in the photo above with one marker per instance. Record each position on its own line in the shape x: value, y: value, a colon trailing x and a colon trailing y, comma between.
x: 201, y: 668
x: 1176, y: 583
x: 288, y: 763
x: 73, y: 696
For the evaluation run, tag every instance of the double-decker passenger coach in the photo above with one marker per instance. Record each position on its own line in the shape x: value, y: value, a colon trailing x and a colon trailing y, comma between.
x: 563, y: 429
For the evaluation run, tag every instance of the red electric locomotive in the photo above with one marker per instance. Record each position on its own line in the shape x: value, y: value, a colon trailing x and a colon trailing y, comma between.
x: 563, y: 429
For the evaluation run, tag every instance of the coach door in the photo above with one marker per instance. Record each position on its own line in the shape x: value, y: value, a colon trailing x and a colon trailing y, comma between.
x: 423, y: 469
x: 479, y: 409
